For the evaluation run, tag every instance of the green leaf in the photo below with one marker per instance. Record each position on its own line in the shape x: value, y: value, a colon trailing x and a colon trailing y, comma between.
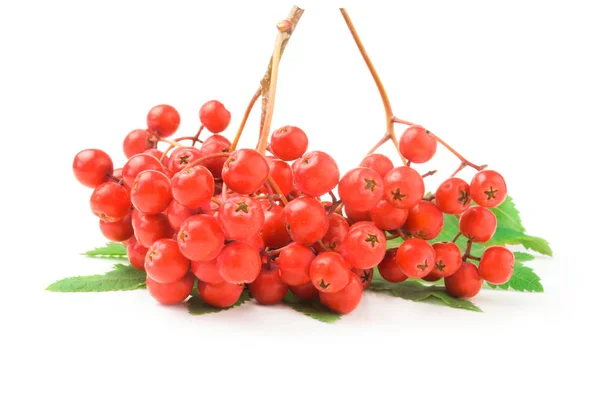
x: 416, y: 291
x: 524, y: 279
x: 112, y: 249
x: 508, y: 216
x: 313, y: 309
x: 507, y: 236
x: 123, y: 277
x: 196, y: 306
x: 522, y: 257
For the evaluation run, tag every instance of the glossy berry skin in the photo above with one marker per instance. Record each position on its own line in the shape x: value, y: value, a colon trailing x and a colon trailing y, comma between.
x: 337, y: 231
x: 453, y: 196
x: 158, y: 154
x: 389, y: 268
x: 149, y: 228
x: 488, y: 188
x: 181, y: 157
x: 151, y: 192
x: 448, y: 259
x: 424, y: 221
x: 207, y: 271
x: 497, y: 265
x: 118, y: 231
x: 165, y: 263
x: 431, y: 278
x: 136, y: 253
x: 138, y: 163
x: 387, y: 217
x: 306, y: 220
x: 178, y: 213
x: 240, y: 218
x: 361, y: 188
x: 138, y: 141
x: 355, y: 216
x: 193, y: 187
x: 316, y: 173
x: 200, y: 238
x: 364, y: 246
x: 163, y: 120
x: 294, y: 264
x: 465, y: 282
x: 415, y: 257
x: 329, y: 272
x: 215, y: 144
x: 239, y: 262
x: 282, y: 174
x: 478, y: 224
x: 417, y: 144
x: 221, y: 295
x: 110, y: 201
x: 378, y: 162
x: 289, y: 142
x: 92, y: 167
x: 171, y: 293
x: 403, y: 187
x: 214, y: 116
x: 345, y: 300
x: 245, y: 171
x: 268, y: 288
x: 365, y: 275
x: 305, y: 292
x: 274, y: 232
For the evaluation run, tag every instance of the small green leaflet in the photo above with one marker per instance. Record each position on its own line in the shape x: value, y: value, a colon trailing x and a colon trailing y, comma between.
x: 313, y: 309
x: 123, y: 277
x: 198, y: 307
x: 522, y: 257
x: 508, y: 216
x: 507, y: 236
x: 111, y: 249
x: 523, y: 280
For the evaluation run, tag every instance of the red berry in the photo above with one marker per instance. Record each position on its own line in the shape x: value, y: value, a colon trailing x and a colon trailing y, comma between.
x: 182, y: 157
x: 110, y: 201
x: 294, y: 264
x: 193, y: 187
x: 431, y: 278
x: 289, y: 142
x: 329, y: 272
x: 497, y: 265
x: 387, y: 217
x: 214, y: 116
x: 389, y: 268
x: 274, y: 232
x: 221, y: 295
x: 306, y: 220
x: 305, y: 292
x: 364, y: 246
x: 452, y: 196
x: 415, y: 257
x: 447, y: 259
x: 212, y: 145
x: 403, y: 187
x: 282, y: 174
x: 171, y: 293
x: 165, y: 263
x: 92, y: 167
x: 365, y: 275
x: 478, y: 224
x: 240, y: 218
x: 417, y: 144
x: 200, y: 238
x: 138, y: 141
x: 488, y: 188
x: 148, y: 228
x: 178, y: 213
x: 136, y: 253
x: 268, y: 288
x: 356, y: 215
x: 361, y: 188
x: 117, y: 231
x: 345, y: 300
x: 163, y: 120
x: 239, y: 262
x: 245, y: 171
x: 465, y: 282
x: 336, y: 232
x: 378, y: 162
x: 256, y: 241
x: 138, y: 163
x: 316, y: 173
x: 424, y: 221
x: 207, y: 271
x: 151, y: 192
x: 159, y: 155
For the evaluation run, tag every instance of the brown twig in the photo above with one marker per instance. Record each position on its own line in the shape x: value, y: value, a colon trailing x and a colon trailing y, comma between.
x: 429, y: 173
x: 276, y: 188
x: 238, y: 135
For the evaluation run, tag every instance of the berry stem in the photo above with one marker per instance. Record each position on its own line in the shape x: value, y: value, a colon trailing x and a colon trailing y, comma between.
x: 456, y: 237
x: 170, y: 142
x: 195, y: 138
x: 474, y: 258
x: 468, y: 250
x: 389, y: 114
x: 333, y: 197
x: 429, y: 173
x: 399, y: 234
x: 238, y: 135
x: 464, y: 161
x: 379, y: 143
x: 430, y: 198
x: 276, y: 188
x: 396, y: 120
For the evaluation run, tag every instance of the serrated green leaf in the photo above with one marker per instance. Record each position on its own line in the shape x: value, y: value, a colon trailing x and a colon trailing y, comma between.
x: 524, y: 279
x: 313, y: 309
x: 123, y: 277
x: 196, y: 306
x: 507, y: 236
x: 522, y: 257
x: 508, y: 216
x: 111, y: 250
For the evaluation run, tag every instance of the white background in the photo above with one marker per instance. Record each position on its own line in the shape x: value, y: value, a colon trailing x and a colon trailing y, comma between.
x: 513, y: 84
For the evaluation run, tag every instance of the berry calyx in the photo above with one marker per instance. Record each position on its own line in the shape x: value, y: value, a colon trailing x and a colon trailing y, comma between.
x: 163, y: 120
x: 365, y: 275
x: 403, y: 187
x: 488, y: 188
x: 289, y: 142
x: 478, y: 224
x: 497, y: 265
x: 453, y: 196
x: 181, y: 157
x: 415, y: 257
x: 417, y: 144
x: 165, y: 263
x: 214, y: 116
x: 364, y: 246
x: 465, y: 282
x: 92, y: 167
x: 447, y: 259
